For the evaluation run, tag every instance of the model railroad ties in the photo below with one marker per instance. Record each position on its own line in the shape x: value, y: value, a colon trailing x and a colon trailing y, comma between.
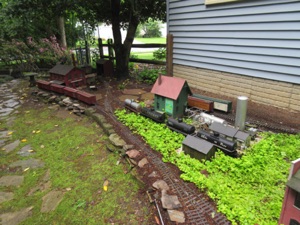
x: 196, y: 206
x: 257, y: 124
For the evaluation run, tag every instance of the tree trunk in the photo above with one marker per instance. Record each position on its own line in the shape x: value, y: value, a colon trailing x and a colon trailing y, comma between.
x: 122, y: 50
x: 61, y: 27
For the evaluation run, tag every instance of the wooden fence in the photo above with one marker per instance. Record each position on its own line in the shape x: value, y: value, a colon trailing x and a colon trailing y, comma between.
x: 84, y: 56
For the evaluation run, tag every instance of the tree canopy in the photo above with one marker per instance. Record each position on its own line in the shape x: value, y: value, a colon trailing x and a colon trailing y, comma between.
x: 20, y: 19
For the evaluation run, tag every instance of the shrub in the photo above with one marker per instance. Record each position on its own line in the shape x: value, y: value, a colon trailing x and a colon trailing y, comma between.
x: 160, y: 54
x: 148, y: 76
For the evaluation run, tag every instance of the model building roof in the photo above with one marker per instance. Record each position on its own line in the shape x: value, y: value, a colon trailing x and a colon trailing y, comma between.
x: 198, y: 144
x: 169, y: 87
x: 242, y: 135
x: 221, y: 129
x: 61, y: 69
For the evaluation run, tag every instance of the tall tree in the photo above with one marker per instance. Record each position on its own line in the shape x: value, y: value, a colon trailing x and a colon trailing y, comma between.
x: 122, y: 14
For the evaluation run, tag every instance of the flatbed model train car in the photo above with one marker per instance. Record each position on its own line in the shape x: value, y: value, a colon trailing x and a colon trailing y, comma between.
x: 82, y: 96
x: 218, y: 104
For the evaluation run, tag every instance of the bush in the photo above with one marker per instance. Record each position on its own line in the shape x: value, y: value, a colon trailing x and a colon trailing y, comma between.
x: 149, y: 76
x: 42, y: 53
x: 160, y: 54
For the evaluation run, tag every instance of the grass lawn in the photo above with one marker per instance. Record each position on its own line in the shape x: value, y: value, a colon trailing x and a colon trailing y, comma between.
x: 143, y: 55
x: 157, y: 40
x: 73, y: 150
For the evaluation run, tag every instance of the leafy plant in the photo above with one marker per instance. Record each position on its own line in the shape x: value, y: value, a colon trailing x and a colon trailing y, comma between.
x: 248, y: 190
x: 148, y: 76
x: 160, y: 53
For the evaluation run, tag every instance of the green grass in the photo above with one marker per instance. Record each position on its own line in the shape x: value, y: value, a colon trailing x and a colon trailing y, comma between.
x: 143, y: 55
x: 156, y: 40
x: 74, y: 152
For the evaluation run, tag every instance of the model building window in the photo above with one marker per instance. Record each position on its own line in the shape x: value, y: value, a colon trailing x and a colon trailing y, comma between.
x: 297, y: 200
x: 294, y: 222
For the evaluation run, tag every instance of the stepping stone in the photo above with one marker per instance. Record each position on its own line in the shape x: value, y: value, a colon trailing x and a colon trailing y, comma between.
x: 133, y: 91
x: 169, y: 201
x: 133, y: 153
x: 15, y: 218
x: 11, y: 103
x: 6, y: 196
x: 12, y: 180
x: 147, y: 96
x: 123, y: 97
x: 25, y: 151
x: 116, y: 140
x: 176, y: 216
x: 29, y: 163
x: 161, y: 185
x: 51, y: 201
x: 10, y: 147
x: 4, y: 134
x: 5, y: 112
x: 142, y: 162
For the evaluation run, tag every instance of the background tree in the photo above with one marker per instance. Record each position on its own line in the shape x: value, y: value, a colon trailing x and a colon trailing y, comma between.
x: 151, y: 28
x: 122, y: 14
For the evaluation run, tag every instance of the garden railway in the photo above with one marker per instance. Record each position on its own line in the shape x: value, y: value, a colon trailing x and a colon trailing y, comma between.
x: 198, y: 208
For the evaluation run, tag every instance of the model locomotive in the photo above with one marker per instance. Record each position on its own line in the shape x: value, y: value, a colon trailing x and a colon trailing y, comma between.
x: 227, y: 146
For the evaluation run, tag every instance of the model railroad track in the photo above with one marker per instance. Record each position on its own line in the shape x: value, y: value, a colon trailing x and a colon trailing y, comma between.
x: 198, y: 210
x: 263, y: 126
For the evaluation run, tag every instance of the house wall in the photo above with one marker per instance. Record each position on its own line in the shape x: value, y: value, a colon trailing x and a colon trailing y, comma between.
x: 252, y: 47
x: 269, y: 92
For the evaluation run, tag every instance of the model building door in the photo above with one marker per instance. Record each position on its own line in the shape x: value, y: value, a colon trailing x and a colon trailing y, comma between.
x: 169, y: 106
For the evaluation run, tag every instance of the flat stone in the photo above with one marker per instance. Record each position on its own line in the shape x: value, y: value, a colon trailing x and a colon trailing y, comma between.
x: 15, y: 218
x: 133, y: 153
x: 153, y: 174
x: 133, y: 91
x: 142, y: 162
x: 51, y: 201
x: 5, y: 112
x: 12, y: 180
x: 10, y: 147
x: 29, y: 163
x: 11, y: 103
x: 147, y: 96
x: 6, y: 196
x: 169, y: 201
x: 116, y: 140
x: 161, y: 185
x: 4, y: 134
x: 123, y: 97
x: 176, y: 216
x: 25, y: 151
x: 128, y: 147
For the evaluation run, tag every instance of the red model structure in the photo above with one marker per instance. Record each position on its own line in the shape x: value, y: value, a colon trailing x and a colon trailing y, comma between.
x: 290, y: 213
x: 67, y: 75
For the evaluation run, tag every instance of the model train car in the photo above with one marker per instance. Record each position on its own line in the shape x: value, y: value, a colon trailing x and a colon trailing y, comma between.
x: 180, y: 126
x: 205, y: 105
x: 227, y: 146
x: 152, y: 114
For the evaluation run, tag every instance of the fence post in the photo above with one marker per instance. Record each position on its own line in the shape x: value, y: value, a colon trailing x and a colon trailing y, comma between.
x: 170, y: 55
x: 87, y: 52
x: 110, y: 49
x: 100, y: 46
